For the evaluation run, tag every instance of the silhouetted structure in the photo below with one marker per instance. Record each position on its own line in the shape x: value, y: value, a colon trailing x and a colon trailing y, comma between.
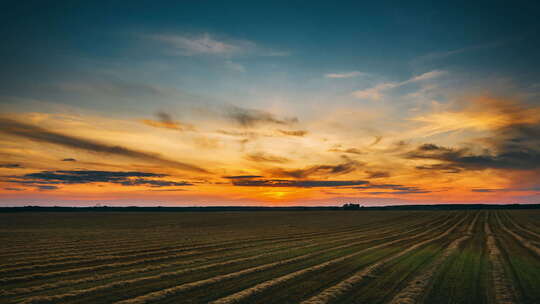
x: 351, y: 206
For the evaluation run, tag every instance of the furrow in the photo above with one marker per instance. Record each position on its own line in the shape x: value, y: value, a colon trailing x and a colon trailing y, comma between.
x: 236, y: 297
x: 524, y: 242
x: 521, y: 228
x: 158, y: 295
x: 41, y: 299
x: 335, y: 291
x: 157, y: 267
x: 183, y: 252
x: 502, y: 288
x: 158, y: 249
x: 417, y: 287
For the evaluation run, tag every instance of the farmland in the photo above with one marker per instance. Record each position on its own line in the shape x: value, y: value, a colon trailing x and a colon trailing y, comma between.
x: 473, y: 256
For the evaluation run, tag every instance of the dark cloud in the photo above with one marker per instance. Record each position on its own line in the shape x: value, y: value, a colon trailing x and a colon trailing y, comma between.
x: 241, y: 176
x: 298, y: 133
x: 296, y: 183
x: 447, y: 168
x: 326, y: 170
x: 10, y: 166
x: 251, y: 117
x: 265, y: 157
x: 69, y: 160
x: 44, y: 188
x: 14, y: 189
x: 63, y: 177
x: 398, y: 192
x: 514, y: 145
x: 39, y: 134
x: 509, y: 156
x: 506, y: 189
x: 393, y: 189
x: 377, y: 174
x: 152, y: 183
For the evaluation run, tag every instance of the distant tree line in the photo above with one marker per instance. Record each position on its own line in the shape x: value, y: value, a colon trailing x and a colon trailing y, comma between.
x: 347, y: 206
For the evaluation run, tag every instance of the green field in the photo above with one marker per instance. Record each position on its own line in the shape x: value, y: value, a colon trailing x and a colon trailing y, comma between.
x: 271, y: 257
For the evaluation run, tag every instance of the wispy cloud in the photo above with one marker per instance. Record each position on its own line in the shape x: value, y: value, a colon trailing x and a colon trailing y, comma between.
x: 251, y: 117
x: 298, y: 133
x: 377, y: 92
x: 345, y: 74
x: 444, y: 54
x: 266, y: 157
x: 203, y: 45
x: 209, y: 45
x: 166, y: 121
x: 317, y: 170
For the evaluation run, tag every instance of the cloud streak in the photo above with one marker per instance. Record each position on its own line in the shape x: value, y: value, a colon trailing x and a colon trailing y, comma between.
x: 377, y: 92
x: 38, y: 134
x: 166, y: 121
x: 46, y: 179
x: 265, y: 157
x: 251, y: 117
x: 344, y: 75
x: 317, y: 170
x: 296, y: 183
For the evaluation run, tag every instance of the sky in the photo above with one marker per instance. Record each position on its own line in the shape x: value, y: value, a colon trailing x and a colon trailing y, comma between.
x: 313, y: 103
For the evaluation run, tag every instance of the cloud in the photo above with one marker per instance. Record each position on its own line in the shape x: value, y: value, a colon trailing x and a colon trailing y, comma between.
x: 506, y: 190
x: 296, y: 183
x: 165, y: 121
x: 456, y: 159
x: 69, y: 160
x: 377, y: 92
x: 251, y: 117
x: 44, y: 188
x: 203, y: 45
x: 513, y: 141
x: 349, y: 150
x: 298, y: 133
x: 392, y: 189
x: 13, y: 189
x: 426, y: 76
x: 318, y: 170
x: 377, y: 174
x: 208, y: 45
x: 241, y: 176
x: 345, y: 75
x: 11, y: 166
x: 238, y: 133
x: 152, y: 183
x: 39, y: 134
x: 265, y: 157
x: 69, y: 177
x: 444, y: 54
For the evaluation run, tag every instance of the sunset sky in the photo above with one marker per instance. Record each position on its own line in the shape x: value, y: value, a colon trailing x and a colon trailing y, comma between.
x: 269, y: 103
